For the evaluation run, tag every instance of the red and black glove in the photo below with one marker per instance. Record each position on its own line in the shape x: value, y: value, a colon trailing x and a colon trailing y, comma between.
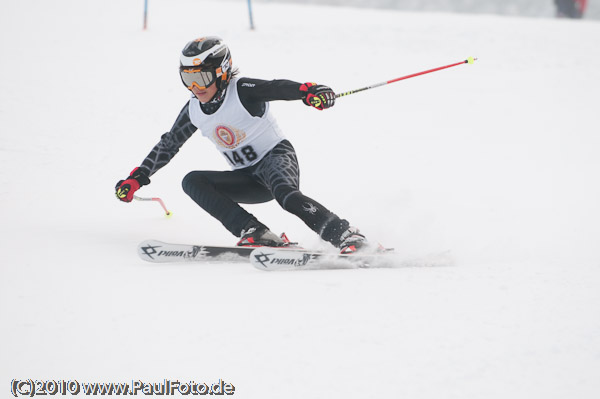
x: 126, y: 188
x: 318, y: 96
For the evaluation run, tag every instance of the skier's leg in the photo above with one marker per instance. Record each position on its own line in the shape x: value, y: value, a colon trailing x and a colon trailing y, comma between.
x: 219, y: 193
x: 280, y: 173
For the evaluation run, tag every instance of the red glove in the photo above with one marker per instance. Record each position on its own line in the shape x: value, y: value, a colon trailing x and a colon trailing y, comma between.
x: 318, y: 96
x: 126, y: 188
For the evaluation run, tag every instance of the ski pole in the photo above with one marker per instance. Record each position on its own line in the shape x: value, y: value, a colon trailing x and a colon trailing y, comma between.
x: 469, y: 60
x: 167, y: 212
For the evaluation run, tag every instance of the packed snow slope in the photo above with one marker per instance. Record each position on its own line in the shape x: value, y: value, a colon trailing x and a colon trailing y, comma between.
x: 496, y: 161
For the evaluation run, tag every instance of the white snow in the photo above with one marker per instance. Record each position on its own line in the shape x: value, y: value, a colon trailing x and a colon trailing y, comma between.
x: 497, y: 162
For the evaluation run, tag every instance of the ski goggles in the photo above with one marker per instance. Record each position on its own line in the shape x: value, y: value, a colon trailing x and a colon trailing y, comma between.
x: 197, y: 77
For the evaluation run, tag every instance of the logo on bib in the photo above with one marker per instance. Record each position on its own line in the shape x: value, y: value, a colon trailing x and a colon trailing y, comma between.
x: 228, y: 137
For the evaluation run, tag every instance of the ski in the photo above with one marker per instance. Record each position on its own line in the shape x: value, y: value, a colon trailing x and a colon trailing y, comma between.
x: 284, y: 258
x: 161, y: 252
x: 275, y: 259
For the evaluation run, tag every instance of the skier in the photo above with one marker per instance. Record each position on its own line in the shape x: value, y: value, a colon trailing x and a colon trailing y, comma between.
x: 234, y: 114
x: 570, y: 8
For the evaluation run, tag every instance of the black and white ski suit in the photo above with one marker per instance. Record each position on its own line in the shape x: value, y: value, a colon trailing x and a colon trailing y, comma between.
x: 264, y: 162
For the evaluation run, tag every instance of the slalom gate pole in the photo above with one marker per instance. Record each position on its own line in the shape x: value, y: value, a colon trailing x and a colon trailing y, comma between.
x: 250, y: 14
x: 168, y: 213
x: 145, y: 14
x: 469, y: 60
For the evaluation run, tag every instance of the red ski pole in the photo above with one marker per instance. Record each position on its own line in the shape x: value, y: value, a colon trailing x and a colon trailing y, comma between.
x: 167, y: 212
x: 469, y: 60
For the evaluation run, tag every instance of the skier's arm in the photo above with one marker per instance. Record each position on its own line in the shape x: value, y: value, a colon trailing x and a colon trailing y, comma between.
x: 160, y: 155
x: 258, y: 90
x: 169, y: 144
x: 254, y: 93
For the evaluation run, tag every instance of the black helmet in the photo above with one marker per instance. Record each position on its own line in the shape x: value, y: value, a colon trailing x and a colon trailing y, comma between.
x: 208, y: 54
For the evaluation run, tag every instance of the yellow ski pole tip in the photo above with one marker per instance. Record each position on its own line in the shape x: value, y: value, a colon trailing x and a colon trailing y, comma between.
x: 169, y: 214
x: 471, y: 60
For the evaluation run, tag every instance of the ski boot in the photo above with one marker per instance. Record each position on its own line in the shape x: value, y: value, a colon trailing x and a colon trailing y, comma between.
x: 257, y: 234
x: 351, y: 241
